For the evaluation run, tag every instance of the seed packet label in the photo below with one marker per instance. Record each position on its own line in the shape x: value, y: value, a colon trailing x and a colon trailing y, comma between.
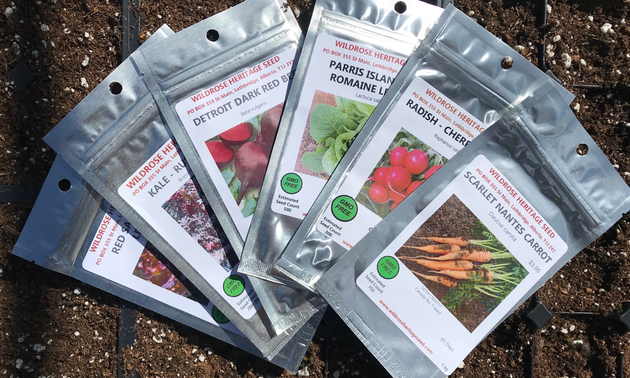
x: 433, y: 130
x: 119, y: 253
x: 232, y: 127
x: 162, y: 191
x: 344, y: 82
x: 446, y: 294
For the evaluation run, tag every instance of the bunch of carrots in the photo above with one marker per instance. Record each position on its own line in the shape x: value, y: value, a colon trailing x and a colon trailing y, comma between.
x: 455, y: 263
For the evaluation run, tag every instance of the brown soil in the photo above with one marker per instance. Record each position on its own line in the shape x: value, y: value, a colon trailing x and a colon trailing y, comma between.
x: 39, y: 308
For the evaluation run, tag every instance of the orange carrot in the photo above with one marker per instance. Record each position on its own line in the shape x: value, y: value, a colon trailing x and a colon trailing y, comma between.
x: 476, y: 256
x: 436, y: 248
x: 439, y: 279
x: 459, y: 241
x: 441, y: 265
x: 487, y: 275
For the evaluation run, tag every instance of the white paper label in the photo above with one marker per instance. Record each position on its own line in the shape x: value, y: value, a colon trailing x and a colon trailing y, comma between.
x: 163, y: 193
x: 119, y: 253
x: 446, y: 307
x: 421, y: 133
x: 344, y: 82
x: 224, y: 125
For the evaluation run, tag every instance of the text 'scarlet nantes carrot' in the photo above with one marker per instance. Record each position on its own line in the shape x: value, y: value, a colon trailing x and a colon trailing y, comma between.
x: 436, y: 248
x: 439, y: 279
x: 452, y: 241
x: 486, y: 275
x: 476, y: 256
x: 441, y: 265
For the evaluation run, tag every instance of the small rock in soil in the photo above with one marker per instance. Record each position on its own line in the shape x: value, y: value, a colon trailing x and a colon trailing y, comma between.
x: 606, y: 28
x: 303, y: 372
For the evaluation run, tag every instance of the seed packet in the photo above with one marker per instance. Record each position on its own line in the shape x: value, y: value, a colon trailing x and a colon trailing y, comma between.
x: 431, y: 280
x: 221, y: 86
x: 445, y: 96
x: 352, y: 52
x: 72, y: 230
x: 221, y: 89
x: 117, y: 141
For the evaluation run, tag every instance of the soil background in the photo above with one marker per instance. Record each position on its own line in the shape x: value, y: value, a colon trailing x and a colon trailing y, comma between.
x: 54, y: 326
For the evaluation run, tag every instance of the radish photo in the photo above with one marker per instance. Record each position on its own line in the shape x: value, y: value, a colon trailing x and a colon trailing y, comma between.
x: 406, y: 164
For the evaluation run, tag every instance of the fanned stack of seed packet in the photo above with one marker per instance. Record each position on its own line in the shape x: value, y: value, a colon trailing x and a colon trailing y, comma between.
x: 400, y: 164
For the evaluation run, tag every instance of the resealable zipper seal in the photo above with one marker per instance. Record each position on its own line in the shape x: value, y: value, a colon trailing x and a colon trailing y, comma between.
x: 59, y: 234
x: 113, y: 139
x: 385, y: 28
x: 539, y: 151
x: 247, y: 50
x: 463, y: 62
x: 204, y: 61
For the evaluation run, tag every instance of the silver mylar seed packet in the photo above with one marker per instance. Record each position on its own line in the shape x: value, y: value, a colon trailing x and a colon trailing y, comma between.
x: 455, y: 84
x: 352, y: 52
x: 74, y: 231
x: 438, y: 274
x: 117, y: 141
x: 221, y: 86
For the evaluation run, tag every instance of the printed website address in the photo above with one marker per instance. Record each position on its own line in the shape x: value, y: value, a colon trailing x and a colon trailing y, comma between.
x: 404, y: 325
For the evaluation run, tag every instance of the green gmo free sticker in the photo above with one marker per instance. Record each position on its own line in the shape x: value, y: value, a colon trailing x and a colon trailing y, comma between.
x: 388, y: 267
x: 291, y: 183
x: 234, y: 285
x: 218, y: 316
x: 344, y: 208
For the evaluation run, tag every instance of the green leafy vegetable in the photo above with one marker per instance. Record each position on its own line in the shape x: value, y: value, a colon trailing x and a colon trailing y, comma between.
x: 325, y: 120
x: 334, y: 128
x: 313, y: 160
x: 249, y: 206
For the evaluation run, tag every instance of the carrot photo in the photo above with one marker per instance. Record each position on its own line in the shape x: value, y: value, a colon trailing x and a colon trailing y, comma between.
x: 406, y: 164
x: 242, y: 155
x: 462, y: 263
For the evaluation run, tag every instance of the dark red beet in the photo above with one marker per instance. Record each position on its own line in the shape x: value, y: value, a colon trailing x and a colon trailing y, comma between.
x: 269, y: 125
x: 237, y: 135
x: 250, y: 165
x: 221, y: 153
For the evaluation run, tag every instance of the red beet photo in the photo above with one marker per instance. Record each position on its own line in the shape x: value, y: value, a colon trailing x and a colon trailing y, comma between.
x: 242, y: 155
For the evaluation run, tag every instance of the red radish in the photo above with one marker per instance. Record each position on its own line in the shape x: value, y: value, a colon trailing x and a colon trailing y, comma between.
x: 416, y: 162
x: 394, y: 205
x: 378, y: 193
x: 380, y: 175
x: 396, y: 197
x: 431, y: 171
x: 221, y: 153
x: 237, y: 135
x: 413, y: 186
x: 250, y: 164
x: 398, y: 178
x: 397, y: 156
x: 269, y: 125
